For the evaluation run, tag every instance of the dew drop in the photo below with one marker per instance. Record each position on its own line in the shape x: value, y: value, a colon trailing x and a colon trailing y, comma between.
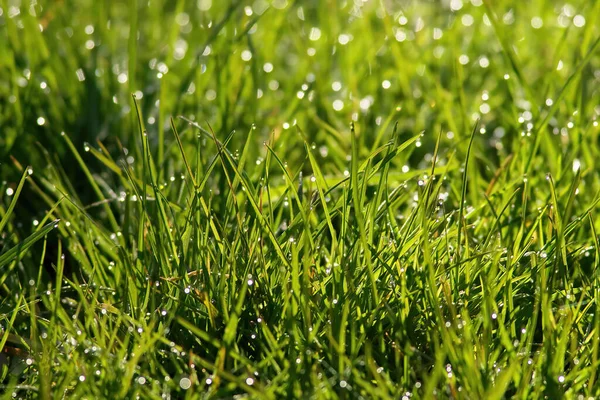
x: 185, y: 383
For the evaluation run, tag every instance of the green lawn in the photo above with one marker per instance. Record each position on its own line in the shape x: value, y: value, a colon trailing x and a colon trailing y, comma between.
x: 299, y: 199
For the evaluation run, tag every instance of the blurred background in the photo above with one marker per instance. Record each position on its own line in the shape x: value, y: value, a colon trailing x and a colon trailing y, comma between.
x: 433, y: 66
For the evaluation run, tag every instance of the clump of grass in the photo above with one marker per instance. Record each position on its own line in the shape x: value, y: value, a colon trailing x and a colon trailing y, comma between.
x: 397, y: 201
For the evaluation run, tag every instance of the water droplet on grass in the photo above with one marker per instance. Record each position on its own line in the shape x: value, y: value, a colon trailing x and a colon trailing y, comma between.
x: 315, y: 34
x: 185, y: 383
x: 246, y: 55
x: 579, y: 21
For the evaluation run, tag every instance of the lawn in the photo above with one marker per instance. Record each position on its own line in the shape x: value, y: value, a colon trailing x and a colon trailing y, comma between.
x: 299, y: 199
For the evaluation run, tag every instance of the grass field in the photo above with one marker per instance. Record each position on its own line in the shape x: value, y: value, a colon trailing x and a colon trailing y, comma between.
x: 299, y: 199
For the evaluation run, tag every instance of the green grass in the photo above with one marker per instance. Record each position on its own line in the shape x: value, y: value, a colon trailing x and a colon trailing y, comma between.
x: 299, y: 199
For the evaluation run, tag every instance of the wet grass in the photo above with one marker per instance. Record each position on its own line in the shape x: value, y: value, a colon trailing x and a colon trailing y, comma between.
x: 304, y: 199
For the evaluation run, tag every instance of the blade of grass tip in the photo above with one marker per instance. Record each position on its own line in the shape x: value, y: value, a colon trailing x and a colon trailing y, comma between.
x: 161, y: 205
x: 300, y: 190
x: 383, y: 129
x: 525, y: 195
x: 11, y: 322
x: 106, y: 161
x: 143, y: 208
x: 209, y: 135
x: 503, y: 167
x: 242, y: 159
x: 537, y: 132
x: 32, y: 184
x: 60, y: 268
x: 234, y: 317
x: 13, y: 202
x: 223, y: 155
x: 320, y: 184
x: 296, y: 194
x: 267, y: 182
x: 111, y: 216
x: 41, y: 264
x: 430, y: 184
x: 213, y: 163
x: 461, y: 209
x: 557, y: 221
x: 185, y: 161
x: 255, y: 206
x: 143, y: 346
x: 498, y: 390
x: 568, y: 211
x: 497, y: 217
x: 22, y: 247
x: 49, y: 213
x: 383, y: 178
x: 359, y: 214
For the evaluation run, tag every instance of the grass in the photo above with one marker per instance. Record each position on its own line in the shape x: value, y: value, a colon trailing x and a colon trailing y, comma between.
x: 307, y: 199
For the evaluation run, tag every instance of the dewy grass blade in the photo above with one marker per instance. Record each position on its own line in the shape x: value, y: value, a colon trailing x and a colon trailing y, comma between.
x: 463, y: 197
x: 360, y: 221
x: 13, y: 203
x: 92, y: 182
x: 183, y: 156
x: 6, y: 332
x: 14, y: 253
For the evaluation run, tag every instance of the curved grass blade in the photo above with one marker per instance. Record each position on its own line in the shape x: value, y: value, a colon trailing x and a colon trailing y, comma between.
x: 22, y: 247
